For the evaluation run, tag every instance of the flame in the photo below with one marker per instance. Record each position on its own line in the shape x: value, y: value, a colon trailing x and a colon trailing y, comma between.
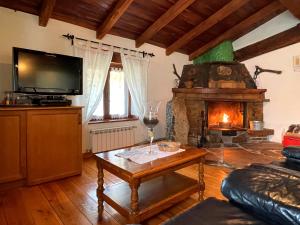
x: 234, y: 111
x: 225, y: 118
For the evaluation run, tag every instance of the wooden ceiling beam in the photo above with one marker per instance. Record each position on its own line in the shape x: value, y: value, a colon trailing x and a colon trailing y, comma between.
x: 163, y: 20
x: 46, y: 12
x: 206, y: 24
x: 283, y: 39
x: 293, y: 6
x: 113, y: 17
x: 243, y: 27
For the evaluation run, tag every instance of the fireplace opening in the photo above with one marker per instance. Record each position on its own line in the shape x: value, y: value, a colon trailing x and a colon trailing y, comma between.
x: 226, y: 115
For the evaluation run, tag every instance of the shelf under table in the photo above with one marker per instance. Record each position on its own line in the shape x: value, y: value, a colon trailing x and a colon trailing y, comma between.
x: 154, y: 195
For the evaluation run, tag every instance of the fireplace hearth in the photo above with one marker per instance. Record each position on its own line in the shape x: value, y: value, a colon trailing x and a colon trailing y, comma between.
x: 240, y: 106
x: 227, y: 110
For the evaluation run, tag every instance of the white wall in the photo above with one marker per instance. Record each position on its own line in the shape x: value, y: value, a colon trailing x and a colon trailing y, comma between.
x: 22, y: 30
x: 283, y: 89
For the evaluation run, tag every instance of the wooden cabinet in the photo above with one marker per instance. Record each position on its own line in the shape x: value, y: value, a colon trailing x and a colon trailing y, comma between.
x: 12, y: 146
x: 40, y: 144
x: 53, y: 144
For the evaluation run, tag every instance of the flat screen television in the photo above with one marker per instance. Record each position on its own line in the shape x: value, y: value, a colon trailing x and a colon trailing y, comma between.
x: 36, y: 72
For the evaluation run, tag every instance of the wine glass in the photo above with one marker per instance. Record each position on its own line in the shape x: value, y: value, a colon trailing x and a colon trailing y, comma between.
x: 151, y: 119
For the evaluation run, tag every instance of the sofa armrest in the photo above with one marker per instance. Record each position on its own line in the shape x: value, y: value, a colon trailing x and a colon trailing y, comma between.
x: 272, y: 194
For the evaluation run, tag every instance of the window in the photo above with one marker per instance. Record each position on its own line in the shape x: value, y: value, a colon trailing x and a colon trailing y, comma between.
x: 116, y: 100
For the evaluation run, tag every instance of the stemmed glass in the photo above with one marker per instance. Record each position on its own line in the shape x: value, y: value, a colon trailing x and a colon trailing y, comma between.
x: 151, y: 119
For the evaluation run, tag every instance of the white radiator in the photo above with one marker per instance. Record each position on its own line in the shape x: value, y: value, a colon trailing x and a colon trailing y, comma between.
x: 112, y: 138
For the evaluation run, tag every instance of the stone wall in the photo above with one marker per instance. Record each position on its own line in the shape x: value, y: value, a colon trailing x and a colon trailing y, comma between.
x: 255, y: 111
x: 194, y: 108
x: 181, y: 123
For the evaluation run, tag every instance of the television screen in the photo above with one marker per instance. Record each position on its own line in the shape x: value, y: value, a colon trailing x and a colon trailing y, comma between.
x: 46, y: 73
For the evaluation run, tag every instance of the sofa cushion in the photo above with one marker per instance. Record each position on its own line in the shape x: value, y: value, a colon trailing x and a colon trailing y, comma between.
x: 270, y: 191
x: 292, y: 152
x: 214, y: 212
x: 291, y: 139
x: 292, y: 160
x: 288, y: 164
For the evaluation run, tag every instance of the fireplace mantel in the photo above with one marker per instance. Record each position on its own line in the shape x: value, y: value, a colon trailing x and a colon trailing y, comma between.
x: 221, y: 94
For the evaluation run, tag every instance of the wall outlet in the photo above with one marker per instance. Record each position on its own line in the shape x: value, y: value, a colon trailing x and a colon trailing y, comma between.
x: 296, y: 63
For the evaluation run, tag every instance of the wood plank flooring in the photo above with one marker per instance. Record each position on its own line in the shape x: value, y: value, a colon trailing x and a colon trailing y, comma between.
x: 247, y: 153
x: 73, y: 201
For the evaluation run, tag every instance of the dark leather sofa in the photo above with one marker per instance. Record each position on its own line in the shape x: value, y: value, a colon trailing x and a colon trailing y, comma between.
x: 258, y: 195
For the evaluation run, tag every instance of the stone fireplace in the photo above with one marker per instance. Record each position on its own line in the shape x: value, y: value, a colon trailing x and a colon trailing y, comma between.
x: 227, y: 111
x: 240, y: 106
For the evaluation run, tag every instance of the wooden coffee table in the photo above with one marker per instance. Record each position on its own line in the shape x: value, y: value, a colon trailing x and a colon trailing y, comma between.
x: 150, y: 187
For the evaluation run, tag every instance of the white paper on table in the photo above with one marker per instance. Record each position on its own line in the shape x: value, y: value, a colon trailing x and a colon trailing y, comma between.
x: 141, y: 155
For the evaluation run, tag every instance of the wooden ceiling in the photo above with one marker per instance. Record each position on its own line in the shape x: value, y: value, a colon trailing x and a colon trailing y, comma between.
x: 187, y: 26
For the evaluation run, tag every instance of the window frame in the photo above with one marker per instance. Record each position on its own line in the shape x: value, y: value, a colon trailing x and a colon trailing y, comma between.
x: 115, y: 63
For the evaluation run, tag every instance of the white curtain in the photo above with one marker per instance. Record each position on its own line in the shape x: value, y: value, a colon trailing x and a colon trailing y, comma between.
x: 96, y: 63
x: 135, y: 68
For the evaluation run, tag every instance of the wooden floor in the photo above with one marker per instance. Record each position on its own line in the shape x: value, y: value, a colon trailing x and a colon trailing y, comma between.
x: 73, y: 201
x: 247, y: 153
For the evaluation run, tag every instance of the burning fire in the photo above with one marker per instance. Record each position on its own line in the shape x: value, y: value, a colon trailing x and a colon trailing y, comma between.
x: 225, y: 114
x: 225, y: 118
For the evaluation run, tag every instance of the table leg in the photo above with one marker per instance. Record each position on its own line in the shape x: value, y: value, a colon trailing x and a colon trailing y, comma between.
x: 100, y: 189
x: 134, y: 205
x: 201, y: 179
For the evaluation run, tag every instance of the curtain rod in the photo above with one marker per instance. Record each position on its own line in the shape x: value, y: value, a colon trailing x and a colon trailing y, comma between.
x: 72, y: 37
